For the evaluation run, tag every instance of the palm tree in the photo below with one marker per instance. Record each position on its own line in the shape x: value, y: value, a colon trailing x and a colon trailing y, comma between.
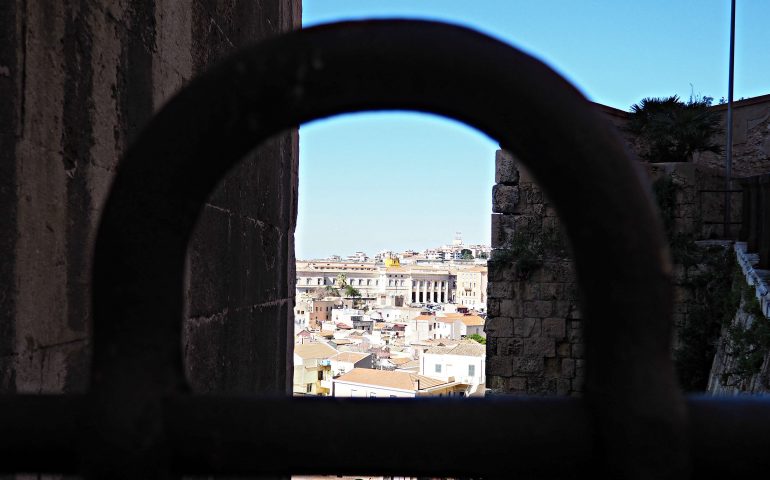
x: 670, y: 130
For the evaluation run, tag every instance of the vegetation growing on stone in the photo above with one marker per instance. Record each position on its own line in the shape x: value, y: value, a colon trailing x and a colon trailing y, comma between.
x: 529, y: 247
x: 670, y: 130
x: 747, y: 345
x: 713, y: 306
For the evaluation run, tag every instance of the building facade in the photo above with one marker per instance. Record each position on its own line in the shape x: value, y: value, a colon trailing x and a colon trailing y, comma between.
x: 397, y: 285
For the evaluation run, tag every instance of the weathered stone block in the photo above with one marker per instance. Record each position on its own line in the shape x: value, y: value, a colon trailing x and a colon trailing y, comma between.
x: 527, y: 223
x: 563, y: 349
x: 562, y: 308
x: 530, y: 290
x: 510, y: 346
x: 552, y: 367
x: 539, y: 386
x: 558, y: 272
x: 509, y: 308
x: 568, y: 367
x: 537, y: 309
x: 551, y: 291
x: 505, y: 168
x: 575, y: 335
x: 538, y: 347
x: 505, y: 198
x: 526, y: 327
x: 500, y: 271
x: 578, y: 350
x: 517, y: 384
x: 580, y: 368
x: 500, y: 290
x: 499, y: 365
x: 499, y: 326
x: 493, y: 307
x: 563, y: 386
x: 575, y: 313
x: 527, y: 366
x: 554, y: 327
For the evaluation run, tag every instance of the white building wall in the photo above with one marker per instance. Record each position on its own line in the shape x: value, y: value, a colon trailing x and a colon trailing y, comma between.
x: 354, y: 390
x: 456, y: 366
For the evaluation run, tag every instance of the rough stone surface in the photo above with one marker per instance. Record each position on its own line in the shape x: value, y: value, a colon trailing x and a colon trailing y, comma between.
x: 540, y: 305
x: 78, y: 81
x: 545, y: 344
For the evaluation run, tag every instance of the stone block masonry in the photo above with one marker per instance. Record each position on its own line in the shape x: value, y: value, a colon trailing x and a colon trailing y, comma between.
x: 534, y: 334
x: 534, y: 331
x: 78, y: 80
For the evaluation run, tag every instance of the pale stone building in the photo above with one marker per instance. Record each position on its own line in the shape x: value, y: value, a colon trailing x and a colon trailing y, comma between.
x: 398, y: 285
x: 363, y: 382
x: 312, y: 369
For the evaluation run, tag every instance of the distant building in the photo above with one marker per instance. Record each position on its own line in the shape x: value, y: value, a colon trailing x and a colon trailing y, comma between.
x: 361, y: 382
x: 312, y: 369
x: 464, y: 363
x: 397, y: 285
x: 344, y: 362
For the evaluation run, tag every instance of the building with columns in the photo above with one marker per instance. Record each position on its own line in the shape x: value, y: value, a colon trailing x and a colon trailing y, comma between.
x: 396, y: 285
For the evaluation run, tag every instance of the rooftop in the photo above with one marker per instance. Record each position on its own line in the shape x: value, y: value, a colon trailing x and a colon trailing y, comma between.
x: 469, y: 349
x: 314, y: 350
x: 391, y: 379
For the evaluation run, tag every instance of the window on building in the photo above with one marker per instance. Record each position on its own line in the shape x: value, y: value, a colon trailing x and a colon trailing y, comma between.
x: 318, y: 282
x: 471, y: 370
x: 320, y: 374
x: 309, y: 388
x: 438, y: 368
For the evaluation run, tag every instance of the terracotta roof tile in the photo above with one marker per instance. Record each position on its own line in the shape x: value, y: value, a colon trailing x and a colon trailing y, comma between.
x: 314, y: 350
x: 390, y: 379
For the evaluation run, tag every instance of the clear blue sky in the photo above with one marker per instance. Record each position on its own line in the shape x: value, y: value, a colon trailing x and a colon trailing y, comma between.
x: 402, y: 180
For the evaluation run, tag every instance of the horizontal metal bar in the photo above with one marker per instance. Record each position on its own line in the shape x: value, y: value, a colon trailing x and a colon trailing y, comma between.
x: 527, y: 437
x: 41, y: 433
x: 729, y: 437
x: 534, y: 437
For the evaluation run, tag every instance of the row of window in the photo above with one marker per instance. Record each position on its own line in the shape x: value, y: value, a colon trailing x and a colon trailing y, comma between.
x: 471, y: 369
x: 391, y: 282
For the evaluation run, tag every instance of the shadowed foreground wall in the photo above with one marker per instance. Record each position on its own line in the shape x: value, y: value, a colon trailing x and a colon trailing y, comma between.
x: 78, y: 80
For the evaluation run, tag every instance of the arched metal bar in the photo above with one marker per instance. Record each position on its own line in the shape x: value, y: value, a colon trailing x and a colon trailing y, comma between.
x: 622, y: 266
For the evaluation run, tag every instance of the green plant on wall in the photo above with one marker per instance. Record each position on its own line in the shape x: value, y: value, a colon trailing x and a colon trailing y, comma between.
x: 716, y: 295
x: 670, y: 130
x: 529, y: 247
x: 747, y: 345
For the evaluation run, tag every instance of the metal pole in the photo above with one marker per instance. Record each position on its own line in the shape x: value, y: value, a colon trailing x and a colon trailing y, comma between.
x: 729, y: 148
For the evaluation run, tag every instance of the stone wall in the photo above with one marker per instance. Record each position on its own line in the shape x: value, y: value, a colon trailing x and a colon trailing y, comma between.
x: 78, y: 80
x: 534, y: 329
x: 751, y: 138
x: 741, y: 362
x: 534, y: 333
x: 698, y: 204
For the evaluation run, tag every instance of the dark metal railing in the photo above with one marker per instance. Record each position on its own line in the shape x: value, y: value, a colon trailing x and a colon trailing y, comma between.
x: 139, y: 419
x: 755, y: 228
